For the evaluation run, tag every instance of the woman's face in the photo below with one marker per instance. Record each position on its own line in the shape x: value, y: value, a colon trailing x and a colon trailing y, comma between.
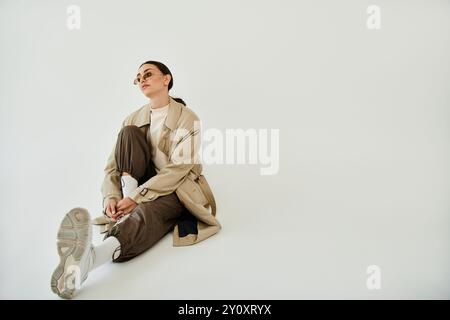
x: 151, y: 80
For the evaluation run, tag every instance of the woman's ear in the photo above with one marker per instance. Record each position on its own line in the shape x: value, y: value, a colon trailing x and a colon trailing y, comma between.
x: 168, y: 78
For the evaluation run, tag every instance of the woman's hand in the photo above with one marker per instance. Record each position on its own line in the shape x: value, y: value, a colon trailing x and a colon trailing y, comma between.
x: 111, y: 210
x: 124, y: 207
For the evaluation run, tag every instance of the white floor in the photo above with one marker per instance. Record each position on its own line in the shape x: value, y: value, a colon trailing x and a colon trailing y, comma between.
x: 277, y: 247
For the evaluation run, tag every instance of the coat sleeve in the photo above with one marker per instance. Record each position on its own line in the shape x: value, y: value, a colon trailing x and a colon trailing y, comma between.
x: 183, y: 158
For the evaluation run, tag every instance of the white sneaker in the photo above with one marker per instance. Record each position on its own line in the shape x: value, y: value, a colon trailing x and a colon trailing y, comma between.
x: 75, y: 251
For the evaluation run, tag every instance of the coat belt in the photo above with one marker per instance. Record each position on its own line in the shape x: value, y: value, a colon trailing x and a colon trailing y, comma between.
x: 207, y: 192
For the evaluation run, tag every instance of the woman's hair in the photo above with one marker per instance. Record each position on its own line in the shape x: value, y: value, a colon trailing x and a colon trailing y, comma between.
x: 163, y: 68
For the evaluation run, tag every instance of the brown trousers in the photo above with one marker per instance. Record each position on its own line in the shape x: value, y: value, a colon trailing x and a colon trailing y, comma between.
x: 149, y: 221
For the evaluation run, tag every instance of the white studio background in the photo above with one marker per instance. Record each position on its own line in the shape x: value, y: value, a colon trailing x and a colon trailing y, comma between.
x: 364, y: 143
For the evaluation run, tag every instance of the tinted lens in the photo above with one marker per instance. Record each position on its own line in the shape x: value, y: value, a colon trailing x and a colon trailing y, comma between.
x: 146, y: 75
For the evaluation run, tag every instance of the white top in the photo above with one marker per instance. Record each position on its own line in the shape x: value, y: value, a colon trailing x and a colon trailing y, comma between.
x: 157, y: 119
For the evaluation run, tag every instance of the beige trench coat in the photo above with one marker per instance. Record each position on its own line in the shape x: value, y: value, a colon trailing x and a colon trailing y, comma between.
x: 180, y: 129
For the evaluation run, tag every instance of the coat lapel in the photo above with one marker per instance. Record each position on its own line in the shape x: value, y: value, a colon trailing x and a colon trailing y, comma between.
x: 170, y: 125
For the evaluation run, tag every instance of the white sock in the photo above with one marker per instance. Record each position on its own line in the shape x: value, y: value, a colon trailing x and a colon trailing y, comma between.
x: 106, y: 251
x: 129, y: 184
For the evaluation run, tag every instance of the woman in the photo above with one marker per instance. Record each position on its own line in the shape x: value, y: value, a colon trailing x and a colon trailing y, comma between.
x: 153, y: 184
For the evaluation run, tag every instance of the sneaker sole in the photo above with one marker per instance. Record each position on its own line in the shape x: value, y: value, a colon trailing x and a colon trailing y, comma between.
x: 73, y: 236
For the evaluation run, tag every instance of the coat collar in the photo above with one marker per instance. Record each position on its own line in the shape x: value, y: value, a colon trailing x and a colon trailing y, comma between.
x: 173, y: 114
